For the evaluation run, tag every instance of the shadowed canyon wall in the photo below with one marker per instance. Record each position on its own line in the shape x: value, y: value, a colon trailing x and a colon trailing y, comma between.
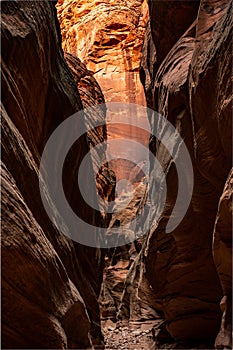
x: 50, y: 284
x: 186, y: 70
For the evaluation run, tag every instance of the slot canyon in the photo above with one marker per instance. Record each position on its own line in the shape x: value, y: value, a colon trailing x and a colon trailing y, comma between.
x: 160, y: 290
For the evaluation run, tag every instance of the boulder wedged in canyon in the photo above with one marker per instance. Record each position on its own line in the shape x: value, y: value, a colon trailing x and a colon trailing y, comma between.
x: 188, y: 81
x: 50, y: 283
x: 119, y: 260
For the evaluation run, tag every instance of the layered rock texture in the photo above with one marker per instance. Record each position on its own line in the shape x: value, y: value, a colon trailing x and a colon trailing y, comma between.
x: 107, y: 36
x: 222, y: 246
x: 175, y: 287
x: 91, y: 95
x: 186, y: 71
x: 119, y: 259
x: 50, y: 284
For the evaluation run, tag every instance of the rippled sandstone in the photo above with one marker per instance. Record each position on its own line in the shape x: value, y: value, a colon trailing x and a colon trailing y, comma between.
x: 50, y: 284
x: 188, y: 81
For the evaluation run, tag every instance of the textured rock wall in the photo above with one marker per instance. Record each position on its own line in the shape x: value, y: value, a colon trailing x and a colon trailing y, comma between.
x: 107, y: 36
x: 50, y: 284
x: 119, y: 259
x: 222, y: 247
x: 91, y: 95
x: 186, y: 71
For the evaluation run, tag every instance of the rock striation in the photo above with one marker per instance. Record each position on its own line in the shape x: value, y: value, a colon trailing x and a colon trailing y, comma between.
x: 222, y: 249
x: 91, y: 95
x: 107, y: 36
x: 50, y: 284
x: 186, y: 71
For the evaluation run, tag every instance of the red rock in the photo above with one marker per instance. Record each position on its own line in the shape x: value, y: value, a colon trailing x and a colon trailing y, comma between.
x: 107, y: 36
x: 222, y: 250
x: 37, y: 294
x: 50, y: 283
x: 188, y: 81
x: 91, y: 95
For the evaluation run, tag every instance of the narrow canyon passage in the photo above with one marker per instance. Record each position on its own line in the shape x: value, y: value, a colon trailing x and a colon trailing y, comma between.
x: 147, y: 87
x: 108, y: 38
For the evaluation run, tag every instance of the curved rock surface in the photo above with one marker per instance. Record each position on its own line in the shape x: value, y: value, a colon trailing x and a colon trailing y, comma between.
x: 222, y: 247
x: 38, y: 296
x: 107, y: 36
x: 91, y: 95
x: 50, y: 283
x: 188, y: 81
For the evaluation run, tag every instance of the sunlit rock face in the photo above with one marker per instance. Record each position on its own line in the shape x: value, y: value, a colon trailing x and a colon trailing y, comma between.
x: 91, y: 95
x: 50, y: 283
x: 187, y: 78
x: 107, y: 36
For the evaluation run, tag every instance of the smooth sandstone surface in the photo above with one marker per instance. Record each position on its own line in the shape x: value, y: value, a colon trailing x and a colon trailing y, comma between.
x: 50, y: 284
x: 188, y: 81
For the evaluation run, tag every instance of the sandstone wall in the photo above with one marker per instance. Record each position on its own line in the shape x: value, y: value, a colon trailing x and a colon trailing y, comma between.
x: 107, y: 36
x: 186, y: 71
x: 50, y: 284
